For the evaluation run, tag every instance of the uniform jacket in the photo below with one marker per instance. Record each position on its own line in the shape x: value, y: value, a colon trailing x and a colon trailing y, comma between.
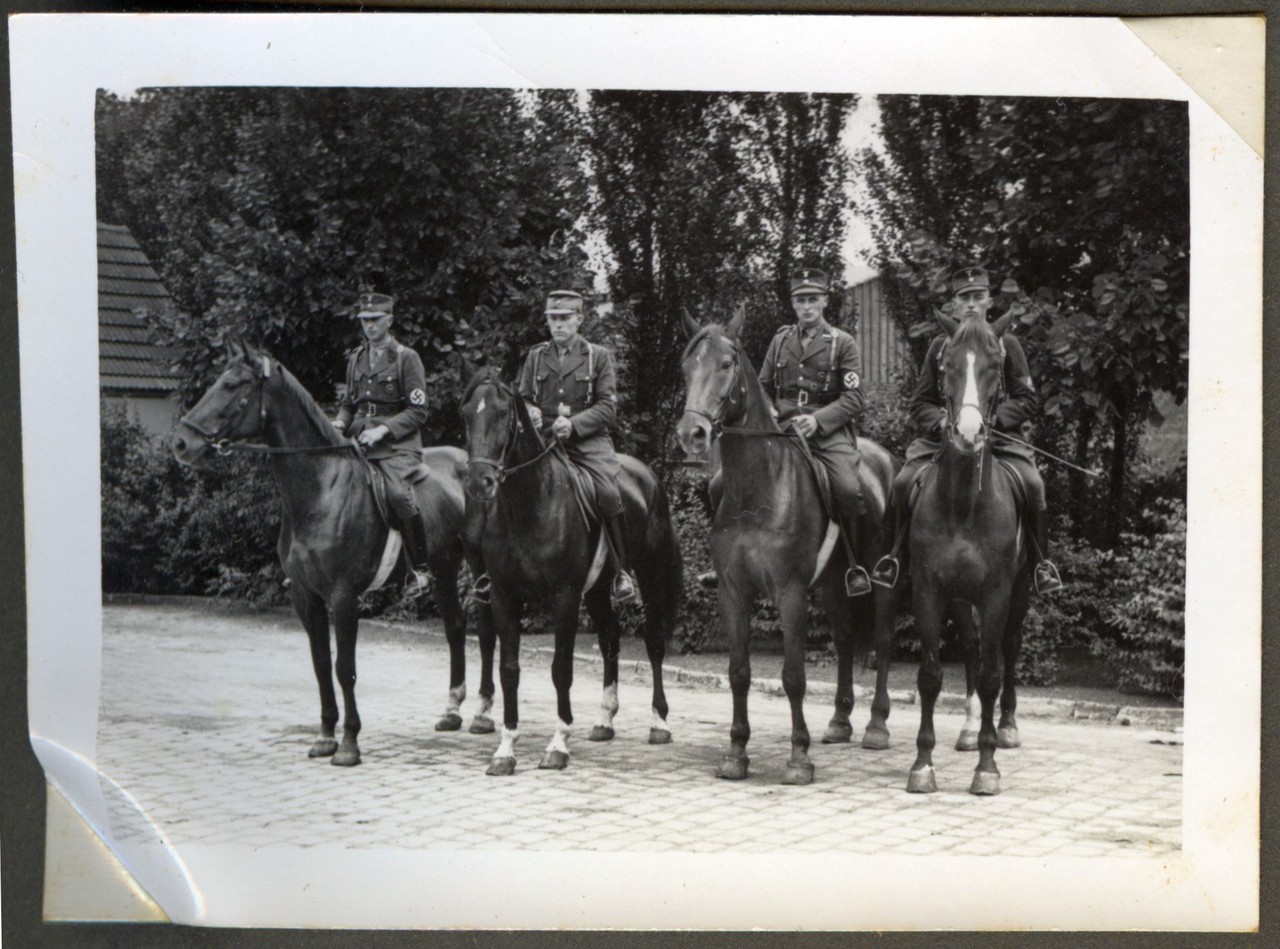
x: 1019, y: 405
x: 826, y: 371
x: 584, y: 380
x: 386, y: 387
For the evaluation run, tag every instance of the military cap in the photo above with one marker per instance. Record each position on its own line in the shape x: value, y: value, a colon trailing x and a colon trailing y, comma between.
x: 371, y: 306
x: 563, y: 301
x: 809, y: 280
x: 970, y: 278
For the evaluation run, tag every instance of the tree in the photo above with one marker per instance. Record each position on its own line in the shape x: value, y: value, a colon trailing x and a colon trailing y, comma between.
x: 267, y: 210
x: 706, y: 201
x: 1083, y: 207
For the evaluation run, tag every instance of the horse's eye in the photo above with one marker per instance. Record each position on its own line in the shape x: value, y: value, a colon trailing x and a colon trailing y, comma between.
x: 726, y: 364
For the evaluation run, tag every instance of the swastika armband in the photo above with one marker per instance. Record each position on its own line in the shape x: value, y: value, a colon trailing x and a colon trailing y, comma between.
x: 418, y: 397
x: 851, y: 380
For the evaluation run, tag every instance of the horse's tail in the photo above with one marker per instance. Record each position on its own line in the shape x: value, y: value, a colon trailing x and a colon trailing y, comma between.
x: 659, y: 567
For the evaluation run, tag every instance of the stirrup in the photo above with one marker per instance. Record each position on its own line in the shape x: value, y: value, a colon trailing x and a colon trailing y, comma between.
x: 885, y: 572
x: 482, y: 589
x: 856, y: 582
x: 416, y: 583
x: 624, y: 586
x: 1046, y: 578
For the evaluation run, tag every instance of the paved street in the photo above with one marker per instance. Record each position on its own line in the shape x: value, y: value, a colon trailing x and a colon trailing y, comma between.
x: 207, y: 717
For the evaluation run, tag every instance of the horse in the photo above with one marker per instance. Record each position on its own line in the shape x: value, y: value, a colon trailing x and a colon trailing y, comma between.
x: 771, y: 535
x: 334, y: 543
x: 968, y: 550
x: 539, y: 549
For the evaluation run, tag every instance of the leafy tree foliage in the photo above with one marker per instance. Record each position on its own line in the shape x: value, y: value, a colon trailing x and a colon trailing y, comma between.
x: 267, y: 211
x: 706, y: 201
x: 1082, y: 206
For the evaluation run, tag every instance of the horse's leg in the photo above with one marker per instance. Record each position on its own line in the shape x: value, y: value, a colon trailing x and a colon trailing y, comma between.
x: 961, y: 613
x: 445, y: 572
x: 928, y: 608
x: 661, y: 581
x: 345, y: 623
x: 994, y: 616
x: 840, y: 615
x: 608, y: 634
x: 505, y: 613
x: 1007, y: 733
x: 876, y: 737
x: 314, y: 614
x: 564, y: 617
x: 793, y: 610
x: 482, y: 723
x: 735, y: 616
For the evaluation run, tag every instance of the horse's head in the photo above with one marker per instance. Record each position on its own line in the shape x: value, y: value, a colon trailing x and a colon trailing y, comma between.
x: 492, y: 413
x: 232, y: 409
x: 971, y: 367
x: 714, y: 388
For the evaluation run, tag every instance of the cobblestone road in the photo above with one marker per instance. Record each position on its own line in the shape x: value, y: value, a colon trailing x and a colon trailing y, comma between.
x: 206, y: 720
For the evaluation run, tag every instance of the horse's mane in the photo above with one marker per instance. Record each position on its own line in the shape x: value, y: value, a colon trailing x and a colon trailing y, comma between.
x: 310, y: 407
x: 974, y: 330
x: 698, y: 337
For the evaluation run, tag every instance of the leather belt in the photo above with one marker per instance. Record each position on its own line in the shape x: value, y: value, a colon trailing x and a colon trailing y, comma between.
x: 375, y: 409
x: 804, y: 397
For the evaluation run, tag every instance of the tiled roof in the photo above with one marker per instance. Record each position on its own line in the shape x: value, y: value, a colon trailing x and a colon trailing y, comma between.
x: 127, y: 286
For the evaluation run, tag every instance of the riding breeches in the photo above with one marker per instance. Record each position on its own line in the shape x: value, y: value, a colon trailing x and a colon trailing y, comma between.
x: 596, y: 456
x: 921, y: 452
x: 401, y: 469
x: 841, y: 461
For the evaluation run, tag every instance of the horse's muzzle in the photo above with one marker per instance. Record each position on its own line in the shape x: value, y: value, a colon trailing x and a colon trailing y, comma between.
x: 694, y: 433
x: 481, y: 485
x: 188, y: 447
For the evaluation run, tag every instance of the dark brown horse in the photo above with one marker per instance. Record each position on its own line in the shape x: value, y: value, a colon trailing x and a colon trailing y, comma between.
x: 333, y: 541
x: 771, y: 536
x: 968, y: 550
x: 538, y: 549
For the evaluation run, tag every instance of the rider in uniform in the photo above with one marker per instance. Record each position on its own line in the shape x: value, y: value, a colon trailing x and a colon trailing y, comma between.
x: 384, y: 409
x: 811, y: 374
x: 971, y: 291
x: 569, y: 387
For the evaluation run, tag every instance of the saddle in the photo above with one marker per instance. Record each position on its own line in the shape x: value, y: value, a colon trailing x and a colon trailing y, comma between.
x: 584, y: 492
x: 379, y: 483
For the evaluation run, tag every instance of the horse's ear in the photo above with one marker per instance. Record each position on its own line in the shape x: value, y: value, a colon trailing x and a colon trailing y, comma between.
x: 469, y: 370
x: 690, y: 325
x: 234, y: 347
x: 734, y: 326
x: 949, y: 324
x: 1000, y: 326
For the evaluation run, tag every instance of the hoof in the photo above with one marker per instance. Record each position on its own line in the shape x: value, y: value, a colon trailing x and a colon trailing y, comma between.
x: 601, y: 733
x: 345, y: 759
x: 798, y: 774
x: 323, y: 748
x: 659, y: 736
x: 968, y: 741
x: 732, y: 768
x: 838, y: 734
x: 1008, y: 738
x: 554, y: 760
x: 922, y: 782
x: 985, y: 782
x: 450, y: 722
x: 875, y: 739
x: 481, y: 726
x: 501, y: 767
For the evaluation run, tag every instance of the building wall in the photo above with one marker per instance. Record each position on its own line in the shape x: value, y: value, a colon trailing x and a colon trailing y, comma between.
x: 883, y: 350
x: 157, y: 415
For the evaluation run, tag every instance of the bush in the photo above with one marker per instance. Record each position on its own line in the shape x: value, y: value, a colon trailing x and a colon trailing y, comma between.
x: 1147, y: 624
x: 177, y: 530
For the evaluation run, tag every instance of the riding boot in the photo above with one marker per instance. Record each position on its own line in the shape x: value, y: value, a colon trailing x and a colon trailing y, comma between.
x: 624, y: 584
x: 892, y: 565
x: 414, y: 533
x: 856, y: 581
x: 1045, y: 577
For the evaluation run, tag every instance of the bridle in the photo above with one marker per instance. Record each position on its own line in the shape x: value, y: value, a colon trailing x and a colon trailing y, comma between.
x: 222, y: 443
x: 985, y: 412
x: 731, y: 404
x: 500, y: 466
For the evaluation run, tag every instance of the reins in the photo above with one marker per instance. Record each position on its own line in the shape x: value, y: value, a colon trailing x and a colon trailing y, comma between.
x: 501, y: 468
